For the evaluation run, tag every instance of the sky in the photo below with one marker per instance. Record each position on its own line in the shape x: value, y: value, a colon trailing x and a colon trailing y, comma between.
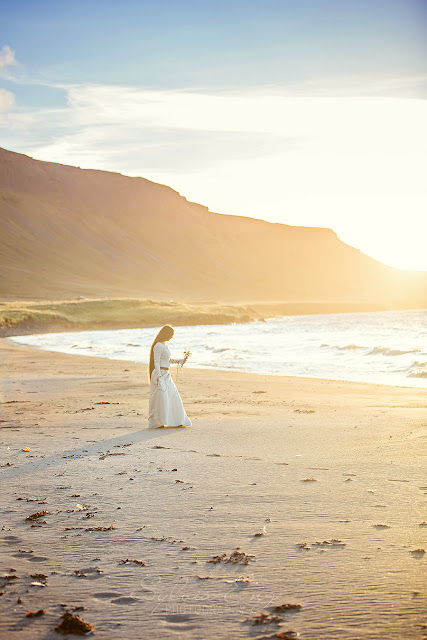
x: 304, y: 112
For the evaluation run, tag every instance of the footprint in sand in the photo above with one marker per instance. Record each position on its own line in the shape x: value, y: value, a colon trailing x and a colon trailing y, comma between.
x: 180, y: 622
x: 125, y: 600
x: 91, y: 573
x: 11, y: 539
x: 114, y: 597
x: 179, y: 617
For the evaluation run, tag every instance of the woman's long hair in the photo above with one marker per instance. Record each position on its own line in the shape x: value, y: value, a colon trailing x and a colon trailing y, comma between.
x: 164, y: 334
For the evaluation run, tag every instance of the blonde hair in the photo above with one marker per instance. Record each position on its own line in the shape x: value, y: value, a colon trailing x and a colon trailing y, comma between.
x: 165, y: 333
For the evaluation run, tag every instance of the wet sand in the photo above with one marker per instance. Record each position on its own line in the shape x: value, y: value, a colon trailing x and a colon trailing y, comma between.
x: 153, y: 533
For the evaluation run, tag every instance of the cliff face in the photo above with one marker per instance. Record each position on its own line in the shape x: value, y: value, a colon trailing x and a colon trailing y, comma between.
x: 67, y: 232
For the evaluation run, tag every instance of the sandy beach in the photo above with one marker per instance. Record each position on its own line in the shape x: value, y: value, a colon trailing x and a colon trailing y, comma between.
x: 285, y: 491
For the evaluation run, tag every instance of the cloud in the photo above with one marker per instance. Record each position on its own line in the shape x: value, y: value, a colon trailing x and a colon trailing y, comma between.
x: 130, y: 118
x: 325, y: 145
x: 7, y: 102
x: 333, y: 119
x: 331, y: 145
x: 352, y: 85
x: 7, y: 57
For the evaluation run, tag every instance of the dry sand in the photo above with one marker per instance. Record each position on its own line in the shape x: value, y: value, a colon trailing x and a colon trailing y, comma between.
x: 301, y: 461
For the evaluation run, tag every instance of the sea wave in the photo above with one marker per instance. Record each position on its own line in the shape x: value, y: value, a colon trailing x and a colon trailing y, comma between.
x: 329, y: 347
x: 351, y: 347
x: 386, y: 351
x: 418, y: 364
x: 418, y: 374
x: 347, y: 347
x: 417, y: 370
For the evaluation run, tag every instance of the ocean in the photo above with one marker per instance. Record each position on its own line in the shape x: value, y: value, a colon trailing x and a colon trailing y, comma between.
x: 380, y: 347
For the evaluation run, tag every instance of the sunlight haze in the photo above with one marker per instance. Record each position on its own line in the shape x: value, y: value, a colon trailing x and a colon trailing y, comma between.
x: 213, y: 300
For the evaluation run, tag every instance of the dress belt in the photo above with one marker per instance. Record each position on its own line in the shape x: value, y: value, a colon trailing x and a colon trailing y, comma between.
x: 165, y: 368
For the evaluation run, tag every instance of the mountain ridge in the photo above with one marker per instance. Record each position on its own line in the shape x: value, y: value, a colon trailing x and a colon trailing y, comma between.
x: 67, y: 231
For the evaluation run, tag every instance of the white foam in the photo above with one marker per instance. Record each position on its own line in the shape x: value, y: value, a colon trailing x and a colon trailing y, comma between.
x: 318, y: 346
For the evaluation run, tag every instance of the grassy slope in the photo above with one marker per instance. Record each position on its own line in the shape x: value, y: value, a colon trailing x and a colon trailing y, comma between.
x: 20, y: 317
x: 38, y: 317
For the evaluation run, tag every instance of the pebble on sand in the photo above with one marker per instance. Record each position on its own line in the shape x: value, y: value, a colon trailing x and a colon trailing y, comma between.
x: 35, y: 614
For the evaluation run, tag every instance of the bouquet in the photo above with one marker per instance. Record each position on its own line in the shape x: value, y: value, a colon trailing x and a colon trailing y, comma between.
x: 187, y: 354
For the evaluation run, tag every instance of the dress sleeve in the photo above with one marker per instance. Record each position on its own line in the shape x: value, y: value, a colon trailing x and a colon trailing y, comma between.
x: 176, y: 361
x: 157, y: 350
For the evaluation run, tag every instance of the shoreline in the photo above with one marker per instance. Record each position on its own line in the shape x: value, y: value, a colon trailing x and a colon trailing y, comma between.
x: 372, y: 371
x: 313, y: 379
x: 301, y: 461
x: 26, y: 317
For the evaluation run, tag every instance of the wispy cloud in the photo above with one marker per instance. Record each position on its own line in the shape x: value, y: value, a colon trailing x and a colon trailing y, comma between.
x: 96, y: 113
x: 354, y: 85
x: 7, y: 58
x: 262, y: 111
x: 7, y: 100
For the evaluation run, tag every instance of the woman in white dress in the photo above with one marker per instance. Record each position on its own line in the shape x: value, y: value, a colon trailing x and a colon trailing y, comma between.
x: 165, y: 408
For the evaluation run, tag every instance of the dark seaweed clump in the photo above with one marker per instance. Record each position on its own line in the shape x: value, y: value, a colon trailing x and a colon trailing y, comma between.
x: 73, y: 624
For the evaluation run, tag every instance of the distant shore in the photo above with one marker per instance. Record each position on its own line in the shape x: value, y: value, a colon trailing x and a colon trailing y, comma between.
x: 23, y: 317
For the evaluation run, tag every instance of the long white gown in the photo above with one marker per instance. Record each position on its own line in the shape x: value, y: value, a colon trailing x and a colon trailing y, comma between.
x: 165, y: 408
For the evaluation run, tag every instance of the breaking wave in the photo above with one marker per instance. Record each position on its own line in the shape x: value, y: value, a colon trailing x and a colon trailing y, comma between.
x: 351, y: 347
x: 386, y: 351
x: 418, y: 370
x: 378, y: 347
x: 392, y: 352
x: 418, y: 374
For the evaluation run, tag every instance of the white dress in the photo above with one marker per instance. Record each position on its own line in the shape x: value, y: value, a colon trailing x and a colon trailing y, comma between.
x: 165, y: 408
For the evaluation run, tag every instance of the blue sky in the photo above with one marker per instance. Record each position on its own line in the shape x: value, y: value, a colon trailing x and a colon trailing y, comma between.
x: 305, y: 112
x: 223, y: 44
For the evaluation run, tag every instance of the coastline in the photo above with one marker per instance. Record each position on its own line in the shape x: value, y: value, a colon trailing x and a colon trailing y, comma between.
x: 358, y: 347
x: 23, y: 317
x: 310, y: 460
